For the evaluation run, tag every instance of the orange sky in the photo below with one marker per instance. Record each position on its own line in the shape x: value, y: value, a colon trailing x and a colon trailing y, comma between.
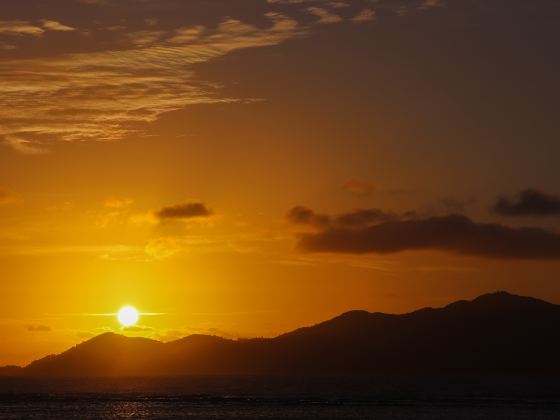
x: 151, y: 151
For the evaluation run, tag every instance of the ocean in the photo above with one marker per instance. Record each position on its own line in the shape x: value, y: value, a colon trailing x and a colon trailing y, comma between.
x: 281, y: 398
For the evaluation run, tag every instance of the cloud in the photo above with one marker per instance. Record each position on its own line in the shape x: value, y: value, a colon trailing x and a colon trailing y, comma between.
x: 328, y: 3
x: 117, y: 203
x: 365, y: 217
x: 114, y: 211
x: 184, y: 212
x: 365, y: 15
x: 303, y: 216
x: 162, y: 248
x: 39, y: 328
x: 300, y: 215
x: 143, y: 218
x: 116, y: 71
x: 138, y: 78
x: 23, y: 146
x: 189, y: 34
x: 430, y: 4
x: 145, y: 38
x: 325, y: 17
x: 53, y: 25
x: 20, y: 27
x: 454, y: 233
x: 530, y: 202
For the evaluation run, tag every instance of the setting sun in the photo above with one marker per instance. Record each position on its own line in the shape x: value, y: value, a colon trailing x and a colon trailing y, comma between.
x: 128, y: 316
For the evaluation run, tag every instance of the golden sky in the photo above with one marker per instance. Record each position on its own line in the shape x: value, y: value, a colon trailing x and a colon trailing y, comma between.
x: 246, y: 167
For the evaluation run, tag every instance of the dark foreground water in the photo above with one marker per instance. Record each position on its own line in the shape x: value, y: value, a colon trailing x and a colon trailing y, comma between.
x: 281, y: 398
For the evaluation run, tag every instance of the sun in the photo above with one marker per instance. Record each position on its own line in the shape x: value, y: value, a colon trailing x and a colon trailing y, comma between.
x: 128, y: 316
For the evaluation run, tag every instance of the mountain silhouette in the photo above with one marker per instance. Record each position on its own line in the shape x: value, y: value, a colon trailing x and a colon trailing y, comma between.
x: 497, y: 333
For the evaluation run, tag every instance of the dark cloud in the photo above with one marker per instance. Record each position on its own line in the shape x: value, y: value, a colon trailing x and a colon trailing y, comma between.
x: 362, y: 217
x: 39, y: 328
x: 530, y: 202
x: 365, y: 217
x: 454, y: 233
x: 184, y: 211
x: 300, y: 215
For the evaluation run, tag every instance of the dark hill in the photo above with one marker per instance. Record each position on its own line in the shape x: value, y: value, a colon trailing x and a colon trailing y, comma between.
x: 497, y: 333
x: 107, y: 354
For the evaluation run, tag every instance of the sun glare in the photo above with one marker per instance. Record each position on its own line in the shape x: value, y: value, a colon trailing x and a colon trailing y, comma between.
x: 128, y: 316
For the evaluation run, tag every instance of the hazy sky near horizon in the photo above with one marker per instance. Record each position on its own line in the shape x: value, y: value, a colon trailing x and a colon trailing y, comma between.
x: 247, y: 167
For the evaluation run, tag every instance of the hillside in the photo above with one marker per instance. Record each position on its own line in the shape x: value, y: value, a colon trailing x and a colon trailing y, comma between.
x: 494, y: 333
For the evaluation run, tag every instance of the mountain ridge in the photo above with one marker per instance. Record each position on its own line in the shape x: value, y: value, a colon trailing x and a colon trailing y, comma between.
x: 493, y: 333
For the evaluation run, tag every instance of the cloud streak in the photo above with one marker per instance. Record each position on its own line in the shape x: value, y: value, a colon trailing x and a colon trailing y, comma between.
x: 53, y: 25
x: 324, y: 16
x: 25, y: 28
x: 20, y: 27
x: 24, y: 146
x: 131, y: 74
x: 99, y: 96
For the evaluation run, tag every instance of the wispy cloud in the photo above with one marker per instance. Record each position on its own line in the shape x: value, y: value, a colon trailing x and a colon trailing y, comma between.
x: 97, y: 96
x: 53, y: 25
x: 428, y: 4
x: 113, y: 202
x: 140, y: 73
x: 365, y: 15
x: 24, y: 146
x: 20, y: 27
x: 324, y: 15
x: 23, y: 27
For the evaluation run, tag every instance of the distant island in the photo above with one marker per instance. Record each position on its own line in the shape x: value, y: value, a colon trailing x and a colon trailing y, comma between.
x: 496, y: 333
